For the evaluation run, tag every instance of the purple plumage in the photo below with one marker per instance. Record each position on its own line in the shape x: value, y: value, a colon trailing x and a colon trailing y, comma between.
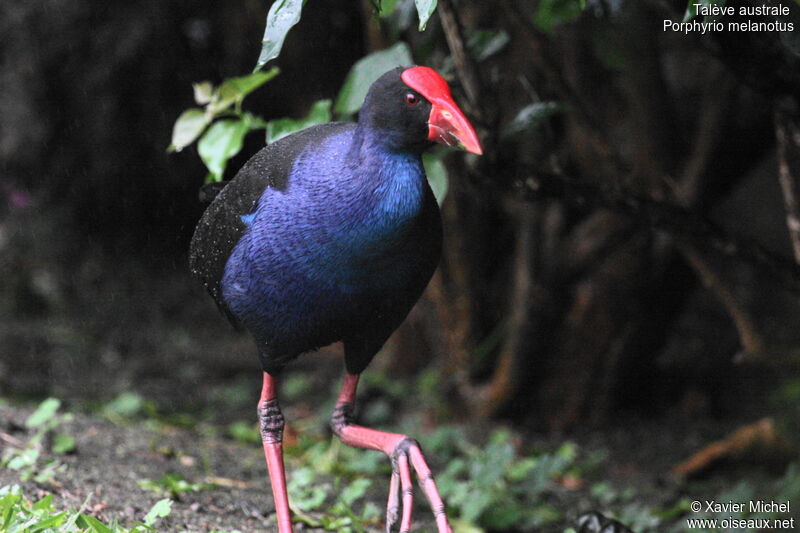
x: 331, y: 234
x: 341, y: 253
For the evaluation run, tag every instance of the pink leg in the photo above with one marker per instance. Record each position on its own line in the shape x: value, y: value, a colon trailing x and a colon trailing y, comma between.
x: 271, y: 422
x: 404, y: 452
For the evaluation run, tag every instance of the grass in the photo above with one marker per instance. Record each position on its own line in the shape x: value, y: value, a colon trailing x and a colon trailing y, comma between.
x: 173, y: 486
x: 18, y: 515
x: 498, y: 484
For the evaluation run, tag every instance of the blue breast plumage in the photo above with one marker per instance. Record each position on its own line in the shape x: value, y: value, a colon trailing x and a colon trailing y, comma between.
x: 341, y: 252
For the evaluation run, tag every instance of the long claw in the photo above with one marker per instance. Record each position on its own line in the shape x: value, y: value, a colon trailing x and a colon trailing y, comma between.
x: 408, y: 493
x: 394, y: 500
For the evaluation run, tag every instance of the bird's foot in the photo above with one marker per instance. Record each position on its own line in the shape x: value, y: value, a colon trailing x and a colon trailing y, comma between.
x: 407, y: 455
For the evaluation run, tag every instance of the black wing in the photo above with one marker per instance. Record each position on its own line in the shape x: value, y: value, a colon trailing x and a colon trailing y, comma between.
x: 221, y: 226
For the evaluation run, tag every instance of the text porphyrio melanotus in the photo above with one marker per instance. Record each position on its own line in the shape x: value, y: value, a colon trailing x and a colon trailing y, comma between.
x: 331, y: 234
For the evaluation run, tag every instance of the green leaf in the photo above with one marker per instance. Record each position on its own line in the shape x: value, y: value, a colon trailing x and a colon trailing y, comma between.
x: 386, y: 7
x: 320, y: 113
x: 282, y: 16
x: 24, y: 459
x: 425, y: 8
x: 173, y: 485
x: 567, y: 451
x: 437, y: 175
x: 203, y: 92
x: 45, y: 474
x: 92, y: 524
x: 69, y: 525
x: 44, y: 413
x: 529, y: 118
x: 161, y: 509
x: 518, y: 471
x: 244, y: 432
x: 222, y: 141
x: 126, y: 405
x: 233, y: 90
x: 43, y: 504
x: 48, y: 523
x: 364, y: 72
x: 485, y: 43
x: 187, y: 128
x: 479, y: 501
x: 306, y: 494
x: 354, y: 491
x: 63, y: 443
x: 552, y: 13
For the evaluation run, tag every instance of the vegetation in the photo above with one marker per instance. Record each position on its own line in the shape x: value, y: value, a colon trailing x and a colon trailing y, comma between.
x: 493, y: 486
x: 28, y: 458
x: 622, y: 253
x: 19, y: 515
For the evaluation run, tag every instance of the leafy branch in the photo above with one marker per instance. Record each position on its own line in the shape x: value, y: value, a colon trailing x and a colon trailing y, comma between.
x: 220, y: 124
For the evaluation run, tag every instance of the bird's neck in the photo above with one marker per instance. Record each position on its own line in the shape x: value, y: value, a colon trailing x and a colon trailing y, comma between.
x: 394, y: 176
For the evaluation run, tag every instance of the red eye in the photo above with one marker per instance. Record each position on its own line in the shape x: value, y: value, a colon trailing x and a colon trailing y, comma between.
x: 412, y: 99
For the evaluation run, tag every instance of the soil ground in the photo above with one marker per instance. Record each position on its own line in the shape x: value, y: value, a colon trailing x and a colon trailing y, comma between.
x: 160, y: 337
x: 110, y: 460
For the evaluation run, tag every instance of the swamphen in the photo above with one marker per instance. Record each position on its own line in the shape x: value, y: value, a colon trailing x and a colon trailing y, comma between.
x: 331, y: 234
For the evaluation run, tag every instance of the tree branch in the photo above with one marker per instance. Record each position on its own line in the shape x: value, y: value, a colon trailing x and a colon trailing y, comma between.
x: 714, y: 111
x: 465, y: 65
x: 750, y: 338
x: 685, y: 226
x: 528, y: 306
x: 787, y: 131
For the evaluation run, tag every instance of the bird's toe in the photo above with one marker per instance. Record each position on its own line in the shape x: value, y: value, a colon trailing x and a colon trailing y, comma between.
x: 407, y: 456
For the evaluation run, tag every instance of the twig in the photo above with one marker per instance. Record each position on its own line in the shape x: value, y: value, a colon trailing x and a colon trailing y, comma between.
x: 13, y: 441
x: 750, y: 338
x: 760, y: 439
x: 592, y: 241
x: 465, y: 65
x: 682, y: 224
x: 714, y: 111
x: 787, y: 132
x: 374, y: 38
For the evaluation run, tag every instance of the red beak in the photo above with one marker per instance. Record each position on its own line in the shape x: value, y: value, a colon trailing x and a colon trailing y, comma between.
x: 446, y: 123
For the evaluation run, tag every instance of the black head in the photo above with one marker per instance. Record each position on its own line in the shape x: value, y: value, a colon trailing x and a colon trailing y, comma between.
x: 397, y: 113
x: 409, y: 107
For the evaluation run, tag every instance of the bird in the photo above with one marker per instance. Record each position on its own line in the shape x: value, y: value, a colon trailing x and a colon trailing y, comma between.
x: 328, y: 235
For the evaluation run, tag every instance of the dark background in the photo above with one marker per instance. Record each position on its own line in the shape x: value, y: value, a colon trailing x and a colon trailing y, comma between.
x: 625, y: 258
